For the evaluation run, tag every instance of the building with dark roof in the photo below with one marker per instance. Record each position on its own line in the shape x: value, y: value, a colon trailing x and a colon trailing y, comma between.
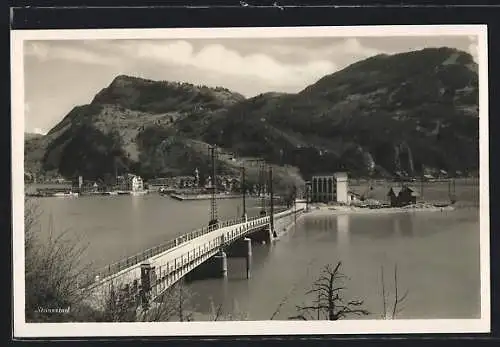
x: 402, y: 196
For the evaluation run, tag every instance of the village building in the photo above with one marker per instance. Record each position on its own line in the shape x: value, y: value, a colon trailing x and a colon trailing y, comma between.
x: 130, y: 182
x: 186, y: 182
x: 330, y: 188
x: 353, y: 196
x: 442, y: 174
x: 162, y: 182
x: 428, y: 177
x: 402, y: 196
x: 134, y: 183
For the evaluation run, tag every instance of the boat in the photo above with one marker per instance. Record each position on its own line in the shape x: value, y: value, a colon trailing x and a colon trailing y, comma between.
x: 109, y: 193
x: 164, y: 191
x: 441, y: 204
x: 65, y: 194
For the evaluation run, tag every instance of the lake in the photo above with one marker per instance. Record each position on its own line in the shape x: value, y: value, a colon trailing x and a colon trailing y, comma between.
x: 436, y: 253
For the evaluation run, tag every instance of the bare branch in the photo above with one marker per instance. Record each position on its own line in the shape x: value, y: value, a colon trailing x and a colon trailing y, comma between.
x: 397, y: 300
x: 328, y: 300
x: 383, y: 293
x: 292, y: 290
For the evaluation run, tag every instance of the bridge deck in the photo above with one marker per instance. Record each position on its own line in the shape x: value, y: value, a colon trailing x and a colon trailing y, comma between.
x: 176, y: 261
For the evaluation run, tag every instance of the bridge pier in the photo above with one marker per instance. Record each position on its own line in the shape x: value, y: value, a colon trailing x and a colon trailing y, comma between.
x: 263, y: 235
x: 242, y: 249
x: 214, y: 267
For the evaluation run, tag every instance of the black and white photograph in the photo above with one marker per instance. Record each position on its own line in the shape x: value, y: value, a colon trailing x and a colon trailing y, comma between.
x: 256, y: 181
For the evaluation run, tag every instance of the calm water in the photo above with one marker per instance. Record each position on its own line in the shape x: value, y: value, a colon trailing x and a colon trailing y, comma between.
x: 437, y: 254
x: 120, y: 226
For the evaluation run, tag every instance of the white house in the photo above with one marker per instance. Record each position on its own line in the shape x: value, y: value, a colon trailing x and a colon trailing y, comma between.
x: 134, y: 183
x: 342, y: 187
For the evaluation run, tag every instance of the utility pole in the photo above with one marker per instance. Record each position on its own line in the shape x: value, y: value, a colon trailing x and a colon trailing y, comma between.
x: 295, y: 206
x: 422, y: 187
x: 307, y: 195
x: 271, y: 195
x: 262, y: 178
x: 213, y: 198
x: 243, y: 190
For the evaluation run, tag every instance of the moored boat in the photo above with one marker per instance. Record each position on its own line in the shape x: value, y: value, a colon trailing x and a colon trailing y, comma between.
x: 65, y: 194
x: 441, y: 204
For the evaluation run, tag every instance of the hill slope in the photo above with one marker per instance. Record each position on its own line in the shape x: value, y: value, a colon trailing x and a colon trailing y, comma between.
x: 93, y: 139
x: 406, y: 112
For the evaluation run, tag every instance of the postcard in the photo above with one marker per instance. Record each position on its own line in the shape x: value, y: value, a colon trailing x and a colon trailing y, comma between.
x: 250, y: 181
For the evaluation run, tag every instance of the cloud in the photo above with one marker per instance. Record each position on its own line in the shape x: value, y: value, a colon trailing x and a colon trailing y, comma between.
x: 39, y: 131
x: 473, y: 47
x: 353, y: 46
x: 279, y: 64
x: 216, y: 58
x: 66, y: 51
x: 168, y: 54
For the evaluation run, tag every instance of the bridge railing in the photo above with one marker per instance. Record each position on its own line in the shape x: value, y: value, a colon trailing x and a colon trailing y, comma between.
x: 194, y: 255
x: 189, y: 256
x: 151, y: 252
x: 201, y: 251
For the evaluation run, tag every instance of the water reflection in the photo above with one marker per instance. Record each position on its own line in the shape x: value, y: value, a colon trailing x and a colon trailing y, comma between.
x: 237, y: 265
x: 443, y: 285
x: 343, y: 231
x: 406, y: 224
x: 320, y: 223
x: 361, y: 226
x: 363, y: 243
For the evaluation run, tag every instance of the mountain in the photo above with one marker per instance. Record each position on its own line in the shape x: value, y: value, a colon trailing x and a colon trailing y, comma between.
x: 410, y: 112
x: 30, y: 136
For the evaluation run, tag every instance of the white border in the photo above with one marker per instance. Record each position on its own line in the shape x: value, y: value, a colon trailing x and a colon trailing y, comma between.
x: 22, y: 329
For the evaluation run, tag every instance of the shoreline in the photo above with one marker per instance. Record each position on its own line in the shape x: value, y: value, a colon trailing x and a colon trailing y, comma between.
x: 333, y: 211
x: 183, y: 197
x: 86, y: 194
x: 187, y: 197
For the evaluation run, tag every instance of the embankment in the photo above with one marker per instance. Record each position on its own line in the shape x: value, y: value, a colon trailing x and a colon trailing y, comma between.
x: 339, y: 210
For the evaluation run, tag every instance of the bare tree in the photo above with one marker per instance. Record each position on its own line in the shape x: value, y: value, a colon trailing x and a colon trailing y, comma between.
x: 285, y: 299
x: 398, y: 300
x: 118, y: 305
x: 123, y: 305
x: 218, y: 313
x: 56, y: 278
x: 171, y: 305
x: 53, y: 270
x: 329, y: 303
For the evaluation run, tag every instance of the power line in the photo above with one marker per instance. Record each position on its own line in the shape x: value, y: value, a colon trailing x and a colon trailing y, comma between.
x: 243, y: 189
x: 213, y: 186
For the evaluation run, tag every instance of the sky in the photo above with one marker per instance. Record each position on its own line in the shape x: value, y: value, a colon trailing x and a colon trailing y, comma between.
x: 61, y: 74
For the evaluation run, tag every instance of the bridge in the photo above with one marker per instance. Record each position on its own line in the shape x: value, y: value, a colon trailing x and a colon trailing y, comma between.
x: 199, y: 254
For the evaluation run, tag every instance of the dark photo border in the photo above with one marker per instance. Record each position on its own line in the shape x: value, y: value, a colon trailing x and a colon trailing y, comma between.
x: 69, y: 14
